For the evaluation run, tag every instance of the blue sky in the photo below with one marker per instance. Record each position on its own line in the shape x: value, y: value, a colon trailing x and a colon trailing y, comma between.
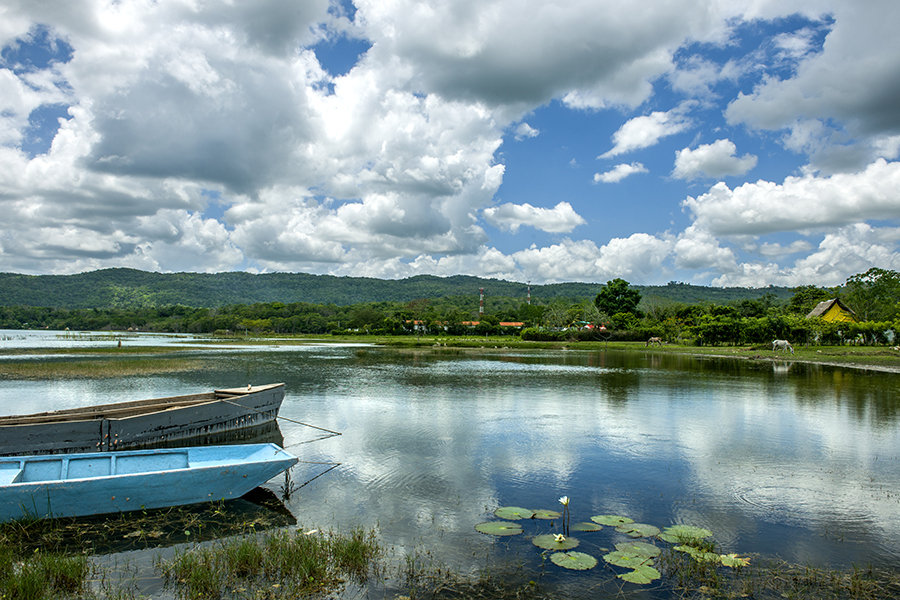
x: 704, y: 142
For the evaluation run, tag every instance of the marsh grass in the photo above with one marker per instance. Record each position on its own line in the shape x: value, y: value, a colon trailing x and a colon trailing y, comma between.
x: 287, y: 563
x: 773, y: 579
x: 41, y: 574
x: 422, y: 578
x: 98, y: 368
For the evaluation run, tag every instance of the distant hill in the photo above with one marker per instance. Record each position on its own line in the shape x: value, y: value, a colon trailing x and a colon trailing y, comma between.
x: 131, y: 288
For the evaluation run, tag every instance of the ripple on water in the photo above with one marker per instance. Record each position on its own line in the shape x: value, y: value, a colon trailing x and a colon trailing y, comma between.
x: 799, y: 505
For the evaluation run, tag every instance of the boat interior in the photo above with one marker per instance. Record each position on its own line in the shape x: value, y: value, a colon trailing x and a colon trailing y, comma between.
x: 26, y: 469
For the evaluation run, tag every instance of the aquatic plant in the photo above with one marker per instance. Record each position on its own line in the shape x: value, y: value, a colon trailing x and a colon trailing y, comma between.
x: 512, y: 513
x: 611, y: 520
x: 499, y: 528
x: 586, y: 527
x: 554, y: 542
x: 565, y: 502
x: 684, y: 534
x: 637, y: 530
x: 577, y: 561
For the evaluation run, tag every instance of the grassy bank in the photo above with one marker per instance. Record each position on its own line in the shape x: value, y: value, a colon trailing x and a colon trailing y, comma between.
x: 143, y: 360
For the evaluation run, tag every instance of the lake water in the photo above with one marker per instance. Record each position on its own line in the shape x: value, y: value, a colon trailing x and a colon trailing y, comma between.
x: 795, y: 461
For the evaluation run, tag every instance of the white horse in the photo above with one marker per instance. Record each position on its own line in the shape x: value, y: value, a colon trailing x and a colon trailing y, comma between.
x: 782, y: 345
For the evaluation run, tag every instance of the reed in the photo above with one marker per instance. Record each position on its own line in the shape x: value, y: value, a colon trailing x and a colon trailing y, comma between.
x: 74, y: 368
x: 41, y: 575
x: 295, y: 563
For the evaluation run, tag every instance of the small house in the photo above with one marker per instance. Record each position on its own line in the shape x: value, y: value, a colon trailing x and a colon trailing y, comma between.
x: 833, y: 311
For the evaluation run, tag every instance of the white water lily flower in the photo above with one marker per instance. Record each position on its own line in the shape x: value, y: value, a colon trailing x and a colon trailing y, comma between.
x: 559, y: 538
x: 564, y: 500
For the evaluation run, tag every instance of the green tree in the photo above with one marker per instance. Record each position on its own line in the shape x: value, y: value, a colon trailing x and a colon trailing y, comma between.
x: 873, y: 295
x: 805, y: 299
x: 618, y: 297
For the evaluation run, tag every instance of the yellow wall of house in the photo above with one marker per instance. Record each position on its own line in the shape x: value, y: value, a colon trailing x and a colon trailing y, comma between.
x: 836, y: 314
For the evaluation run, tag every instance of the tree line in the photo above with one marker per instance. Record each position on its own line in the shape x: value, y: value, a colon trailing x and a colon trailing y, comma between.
x: 617, y: 312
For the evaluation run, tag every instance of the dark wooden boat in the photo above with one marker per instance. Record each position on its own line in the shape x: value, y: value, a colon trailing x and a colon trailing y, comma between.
x: 141, y: 423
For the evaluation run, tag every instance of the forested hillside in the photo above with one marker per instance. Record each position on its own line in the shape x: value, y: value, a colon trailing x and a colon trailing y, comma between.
x: 130, y: 288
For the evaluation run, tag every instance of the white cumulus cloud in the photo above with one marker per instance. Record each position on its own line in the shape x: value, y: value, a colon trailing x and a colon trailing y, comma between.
x: 647, y: 130
x: 805, y: 202
x: 562, y: 218
x: 619, y: 172
x: 711, y: 160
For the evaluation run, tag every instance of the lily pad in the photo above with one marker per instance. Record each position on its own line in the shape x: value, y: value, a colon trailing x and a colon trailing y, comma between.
x: 586, y: 527
x: 639, y: 549
x: 627, y: 559
x: 513, y: 513
x: 637, y: 530
x: 499, y: 528
x: 611, y: 520
x: 553, y: 542
x: 579, y: 561
x: 643, y: 574
x: 734, y: 561
x: 546, y: 514
x: 682, y: 534
x: 698, y: 554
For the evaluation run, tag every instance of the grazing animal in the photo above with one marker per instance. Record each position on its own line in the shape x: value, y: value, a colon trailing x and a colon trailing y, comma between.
x: 782, y: 345
x: 654, y: 340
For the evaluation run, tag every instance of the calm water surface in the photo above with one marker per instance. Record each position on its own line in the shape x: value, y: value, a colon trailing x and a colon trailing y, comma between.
x: 795, y: 461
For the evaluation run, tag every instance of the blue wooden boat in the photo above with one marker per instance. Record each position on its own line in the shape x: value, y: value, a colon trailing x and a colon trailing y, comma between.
x: 70, y: 485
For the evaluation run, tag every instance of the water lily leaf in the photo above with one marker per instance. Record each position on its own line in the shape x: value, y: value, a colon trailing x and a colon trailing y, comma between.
x: 684, y: 534
x: 637, y: 530
x: 513, y: 513
x: 639, y: 549
x: 586, y: 527
x: 611, y: 520
x: 626, y: 559
x: 698, y: 554
x: 499, y: 528
x: 546, y: 514
x: 734, y: 561
x: 643, y: 574
x: 578, y: 561
x: 550, y: 541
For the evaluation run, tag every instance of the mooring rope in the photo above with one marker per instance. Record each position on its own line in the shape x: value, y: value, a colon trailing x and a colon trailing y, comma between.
x: 288, y: 488
x: 334, y: 465
x: 277, y: 416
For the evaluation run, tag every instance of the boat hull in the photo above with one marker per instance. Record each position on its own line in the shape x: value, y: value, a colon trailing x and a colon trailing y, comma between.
x: 141, y: 424
x: 89, y: 483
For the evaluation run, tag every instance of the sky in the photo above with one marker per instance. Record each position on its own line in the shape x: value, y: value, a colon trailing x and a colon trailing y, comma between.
x: 713, y: 142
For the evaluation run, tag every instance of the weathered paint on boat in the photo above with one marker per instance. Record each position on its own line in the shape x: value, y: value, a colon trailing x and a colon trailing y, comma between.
x: 141, y: 423
x: 69, y: 485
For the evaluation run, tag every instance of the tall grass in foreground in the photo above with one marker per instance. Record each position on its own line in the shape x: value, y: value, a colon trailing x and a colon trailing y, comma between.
x: 41, y: 575
x: 282, y: 564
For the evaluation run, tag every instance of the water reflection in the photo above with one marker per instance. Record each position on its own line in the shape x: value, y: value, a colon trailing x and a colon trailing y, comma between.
x: 793, y: 460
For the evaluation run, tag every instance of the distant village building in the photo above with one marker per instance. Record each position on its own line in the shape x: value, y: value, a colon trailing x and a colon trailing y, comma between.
x: 833, y: 311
